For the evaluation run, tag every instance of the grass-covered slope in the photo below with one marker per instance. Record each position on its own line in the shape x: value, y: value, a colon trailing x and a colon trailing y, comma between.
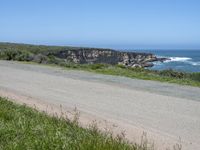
x: 24, y: 128
x: 170, y: 76
x: 36, y: 48
x: 42, y: 54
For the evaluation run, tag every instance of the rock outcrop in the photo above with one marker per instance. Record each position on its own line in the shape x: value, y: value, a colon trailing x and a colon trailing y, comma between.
x: 79, y: 55
x: 107, y: 56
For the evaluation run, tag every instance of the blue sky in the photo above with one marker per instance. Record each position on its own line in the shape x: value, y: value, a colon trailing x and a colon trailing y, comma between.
x: 137, y: 24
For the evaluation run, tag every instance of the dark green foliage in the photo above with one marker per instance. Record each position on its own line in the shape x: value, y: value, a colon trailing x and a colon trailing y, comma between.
x: 39, y: 58
x: 98, y: 66
x: 121, y: 66
x: 25, y: 128
x: 195, y: 76
x: 19, y: 55
x: 173, y: 74
x: 54, y: 60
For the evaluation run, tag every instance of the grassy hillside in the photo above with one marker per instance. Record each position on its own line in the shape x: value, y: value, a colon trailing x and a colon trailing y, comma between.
x: 39, y: 48
x: 24, y: 128
x: 42, y: 54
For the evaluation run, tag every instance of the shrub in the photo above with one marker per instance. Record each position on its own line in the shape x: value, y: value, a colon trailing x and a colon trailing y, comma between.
x: 13, y: 54
x: 24, y: 56
x: 173, y: 74
x: 54, y: 60
x: 40, y: 58
x: 98, y: 66
x: 195, y: 76
x: 121, y: 66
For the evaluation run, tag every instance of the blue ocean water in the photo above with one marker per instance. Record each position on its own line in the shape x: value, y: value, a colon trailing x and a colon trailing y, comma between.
x: 181, y: 60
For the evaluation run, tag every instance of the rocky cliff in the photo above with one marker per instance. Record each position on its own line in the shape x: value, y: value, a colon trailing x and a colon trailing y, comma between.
x: 64, y: 54
x: 92, y: 56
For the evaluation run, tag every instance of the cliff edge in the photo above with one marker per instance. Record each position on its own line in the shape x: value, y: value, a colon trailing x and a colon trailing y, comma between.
x: 78, y: 55
x: 107, y: 56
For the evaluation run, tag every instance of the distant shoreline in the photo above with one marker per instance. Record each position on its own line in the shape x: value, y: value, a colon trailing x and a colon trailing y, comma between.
x: 131, y: 64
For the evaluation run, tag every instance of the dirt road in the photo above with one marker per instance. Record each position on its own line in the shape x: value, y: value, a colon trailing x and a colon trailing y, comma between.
x: 165, y: 111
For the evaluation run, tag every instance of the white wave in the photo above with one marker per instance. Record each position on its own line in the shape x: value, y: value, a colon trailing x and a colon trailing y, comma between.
x: 194, y: 63
x: 178, y: 59
x: 186, y: 60
x: 157, y: 63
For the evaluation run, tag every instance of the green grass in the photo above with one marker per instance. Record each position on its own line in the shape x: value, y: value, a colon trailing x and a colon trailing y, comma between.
x: 169, y: 76
x: 23, y: 128
x: 145, y: 74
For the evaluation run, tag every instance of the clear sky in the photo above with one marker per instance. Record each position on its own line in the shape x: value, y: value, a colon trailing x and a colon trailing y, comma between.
x: 137, y: 24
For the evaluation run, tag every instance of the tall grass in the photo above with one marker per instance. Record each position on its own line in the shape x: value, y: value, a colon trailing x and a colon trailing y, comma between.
x: 24, y: 128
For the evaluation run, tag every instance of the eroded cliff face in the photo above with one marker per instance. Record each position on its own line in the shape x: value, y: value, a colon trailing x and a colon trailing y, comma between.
x: 79, y: 55
x: 92, y: 56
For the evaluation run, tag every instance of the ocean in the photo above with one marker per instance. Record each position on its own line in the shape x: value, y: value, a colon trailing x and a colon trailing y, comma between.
x: 181, y: 60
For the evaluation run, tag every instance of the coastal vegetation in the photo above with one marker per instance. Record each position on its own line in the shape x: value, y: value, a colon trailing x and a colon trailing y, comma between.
x: 22, y: 127
x: 44, y: 55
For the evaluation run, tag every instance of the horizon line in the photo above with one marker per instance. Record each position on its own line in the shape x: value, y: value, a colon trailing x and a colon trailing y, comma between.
x: 100, y: 47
